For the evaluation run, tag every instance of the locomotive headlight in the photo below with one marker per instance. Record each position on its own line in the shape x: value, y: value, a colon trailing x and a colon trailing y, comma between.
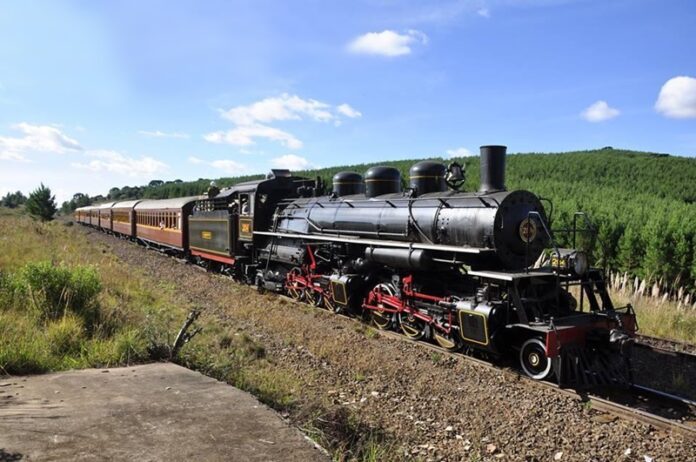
x: 580, y: 263
x: 570, y: 261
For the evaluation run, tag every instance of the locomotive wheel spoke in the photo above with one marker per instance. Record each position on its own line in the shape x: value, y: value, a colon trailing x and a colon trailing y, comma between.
x: 382, y: 319
x: 313, y: 297
x: 411, y: 326
x: 329, y: 303
x: 449, y: 341
x: 295, y: 290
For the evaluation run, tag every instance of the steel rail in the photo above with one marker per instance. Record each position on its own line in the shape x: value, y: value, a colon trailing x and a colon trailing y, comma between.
x: 681, y: 349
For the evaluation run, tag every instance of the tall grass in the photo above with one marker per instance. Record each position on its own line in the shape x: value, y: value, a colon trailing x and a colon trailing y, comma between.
x: 662, y: 319
x: 66, y: 303
x: 56, y: 290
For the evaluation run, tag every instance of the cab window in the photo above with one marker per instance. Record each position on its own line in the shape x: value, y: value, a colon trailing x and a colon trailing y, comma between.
x: 245, y: 205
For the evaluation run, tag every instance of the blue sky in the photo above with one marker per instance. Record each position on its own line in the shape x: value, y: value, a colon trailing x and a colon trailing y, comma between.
x: 101, y: 94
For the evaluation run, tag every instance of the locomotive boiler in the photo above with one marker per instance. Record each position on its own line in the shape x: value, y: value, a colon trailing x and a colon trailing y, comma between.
x: 429, y: 222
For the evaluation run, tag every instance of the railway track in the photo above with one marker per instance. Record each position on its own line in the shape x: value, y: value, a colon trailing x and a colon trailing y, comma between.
x: 663, y: 411
x: 675, y: 348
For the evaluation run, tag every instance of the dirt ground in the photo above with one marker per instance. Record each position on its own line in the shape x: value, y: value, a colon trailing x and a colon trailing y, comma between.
x: 421, y: 405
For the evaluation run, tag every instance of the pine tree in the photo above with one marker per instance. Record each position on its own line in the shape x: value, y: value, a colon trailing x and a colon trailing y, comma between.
x: 41, y: 204
x: 13, y: 200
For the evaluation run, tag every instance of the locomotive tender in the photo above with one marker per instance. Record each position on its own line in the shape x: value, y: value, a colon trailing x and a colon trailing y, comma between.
x: 478, y: 271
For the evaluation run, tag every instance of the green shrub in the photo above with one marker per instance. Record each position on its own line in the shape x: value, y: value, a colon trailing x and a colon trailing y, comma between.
x: 22, y: 351
x: 130, y: 346
x: 66, y: 336
x: 7, y: 289
x: 82, y: 296
x: 54, y: 290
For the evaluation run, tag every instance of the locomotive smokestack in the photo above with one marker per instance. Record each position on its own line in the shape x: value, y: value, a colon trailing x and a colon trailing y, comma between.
x: 492, y: 168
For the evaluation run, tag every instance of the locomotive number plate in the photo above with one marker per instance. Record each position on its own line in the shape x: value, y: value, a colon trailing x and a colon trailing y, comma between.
x: 528, y: 230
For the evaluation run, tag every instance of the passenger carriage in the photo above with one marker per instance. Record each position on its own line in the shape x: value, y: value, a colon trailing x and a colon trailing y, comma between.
x: 104, y: 216
x: 164, y: 223
x: 123, y: 218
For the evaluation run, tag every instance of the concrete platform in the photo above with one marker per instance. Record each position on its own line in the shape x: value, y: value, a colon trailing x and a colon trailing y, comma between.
x: 144, y: 413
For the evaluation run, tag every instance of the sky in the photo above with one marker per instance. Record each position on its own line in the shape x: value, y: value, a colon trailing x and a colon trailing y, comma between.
x: 101, y: 94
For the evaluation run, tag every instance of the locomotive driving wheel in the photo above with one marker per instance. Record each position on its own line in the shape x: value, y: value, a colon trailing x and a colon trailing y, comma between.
x: 382, y: 319
x: 329, y: 302
x: 533, y: 359
x: 295, y: 289
x: 313, y: 297
x: 411, y: 326
x: 449, y: 341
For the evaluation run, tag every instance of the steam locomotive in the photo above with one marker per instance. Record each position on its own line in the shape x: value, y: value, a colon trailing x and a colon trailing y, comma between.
x: 477, y: 271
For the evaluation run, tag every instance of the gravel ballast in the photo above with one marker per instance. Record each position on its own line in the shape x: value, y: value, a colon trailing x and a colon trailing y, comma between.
x: 424, y: 406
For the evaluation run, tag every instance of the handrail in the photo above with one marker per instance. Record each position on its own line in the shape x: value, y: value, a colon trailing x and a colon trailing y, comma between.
x: 534, y: 213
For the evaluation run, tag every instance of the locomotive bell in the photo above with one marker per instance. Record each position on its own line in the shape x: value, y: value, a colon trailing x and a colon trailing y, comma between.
x: 348, y: 183
x: 382, y: 180
x: 492, y: 169
x: 427, y: 177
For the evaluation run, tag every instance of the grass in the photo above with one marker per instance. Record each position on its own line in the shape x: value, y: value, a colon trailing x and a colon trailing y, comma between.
x: 240, y: 360
x: 349, y: 436
x: 65, y: 304
x: 661, y: 319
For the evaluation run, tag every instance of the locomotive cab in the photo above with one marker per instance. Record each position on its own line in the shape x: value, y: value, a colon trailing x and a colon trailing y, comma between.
x: 222, y: 226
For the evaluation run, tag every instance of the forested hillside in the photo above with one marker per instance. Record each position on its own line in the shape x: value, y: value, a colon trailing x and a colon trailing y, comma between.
x: 644, y: 204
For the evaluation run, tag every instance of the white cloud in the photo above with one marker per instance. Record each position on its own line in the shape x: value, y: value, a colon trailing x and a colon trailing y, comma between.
x: 36, y: 138
x: 252, y: 121
x: 244, y: 136
x: 159, y: 134
x: 115, y: 162
x: 291, y: 162
x: 677, y: 98
x: 231, y: 167
x: 348, y: 111
x: 599, y: 111
x: 12, y: 155
x: 387, y: 43
x: 484, y: 12
x: 284, y: 107
x: 459, y: 152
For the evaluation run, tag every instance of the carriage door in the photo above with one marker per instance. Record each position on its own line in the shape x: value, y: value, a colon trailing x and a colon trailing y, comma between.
x: 246, y: 216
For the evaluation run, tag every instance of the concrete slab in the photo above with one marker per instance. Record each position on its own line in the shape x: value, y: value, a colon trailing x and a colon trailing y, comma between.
x: 144, y: 413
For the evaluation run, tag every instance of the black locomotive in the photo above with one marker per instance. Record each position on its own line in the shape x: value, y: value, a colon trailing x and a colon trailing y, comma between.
x: 478, y: 271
